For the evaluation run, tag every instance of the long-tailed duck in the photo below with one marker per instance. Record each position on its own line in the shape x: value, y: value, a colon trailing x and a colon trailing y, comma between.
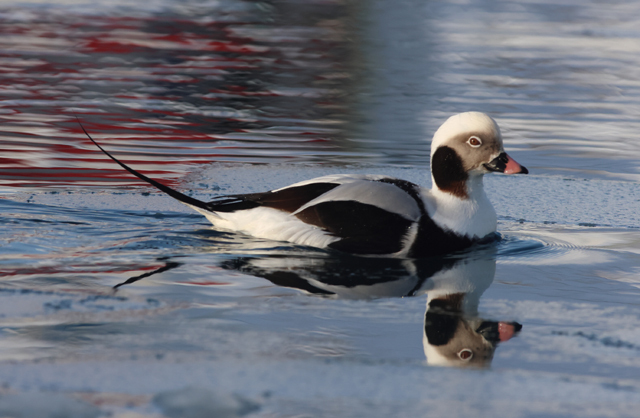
x: 376, y: 214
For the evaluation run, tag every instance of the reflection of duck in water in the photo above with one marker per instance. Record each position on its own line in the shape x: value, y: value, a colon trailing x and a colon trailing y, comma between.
x: 454, y: 335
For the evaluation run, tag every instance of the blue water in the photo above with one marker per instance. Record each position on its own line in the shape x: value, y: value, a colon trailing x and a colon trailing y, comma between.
x: 238, y: 97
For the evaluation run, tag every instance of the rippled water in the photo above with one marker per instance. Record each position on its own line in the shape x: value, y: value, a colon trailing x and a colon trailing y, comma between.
x: 232, y: 96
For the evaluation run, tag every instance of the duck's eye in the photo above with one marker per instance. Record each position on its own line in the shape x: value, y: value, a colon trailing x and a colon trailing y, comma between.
x: 474, y: 141
x: 465, y: 354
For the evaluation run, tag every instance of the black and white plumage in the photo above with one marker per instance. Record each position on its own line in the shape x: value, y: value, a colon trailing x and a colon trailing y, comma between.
x: 376, y: 214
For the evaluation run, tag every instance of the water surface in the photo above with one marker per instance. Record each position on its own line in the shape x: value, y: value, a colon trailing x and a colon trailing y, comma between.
x: 237, y: 97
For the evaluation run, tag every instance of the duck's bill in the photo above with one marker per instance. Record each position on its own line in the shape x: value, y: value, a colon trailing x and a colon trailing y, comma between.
x: 498, y: 332
x: 506, y: 330
x: 505, y: 164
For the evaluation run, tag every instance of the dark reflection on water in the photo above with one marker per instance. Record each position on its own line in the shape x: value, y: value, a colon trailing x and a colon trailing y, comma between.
x: 453, y: 333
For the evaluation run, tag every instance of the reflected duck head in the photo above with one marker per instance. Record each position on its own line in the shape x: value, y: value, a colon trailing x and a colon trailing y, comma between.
x: 453, y: 339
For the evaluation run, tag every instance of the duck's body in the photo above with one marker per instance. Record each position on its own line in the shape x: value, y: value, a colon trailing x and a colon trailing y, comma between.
x: 375, y: 214
x: 361, y: 214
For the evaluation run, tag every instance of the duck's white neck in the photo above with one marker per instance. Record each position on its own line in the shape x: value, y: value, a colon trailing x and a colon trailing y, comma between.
x: 472, y: 215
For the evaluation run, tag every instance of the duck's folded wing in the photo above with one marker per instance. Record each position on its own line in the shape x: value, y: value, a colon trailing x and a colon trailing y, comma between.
x: 367, y: 215
x: 362, y: 228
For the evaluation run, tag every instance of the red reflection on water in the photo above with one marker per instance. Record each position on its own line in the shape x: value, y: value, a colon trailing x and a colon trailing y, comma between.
x: 163, y: 93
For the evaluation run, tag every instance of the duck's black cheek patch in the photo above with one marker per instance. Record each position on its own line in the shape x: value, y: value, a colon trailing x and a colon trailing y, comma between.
x: 448, y: 171
x: 442, y: 318
x: 439, y: 327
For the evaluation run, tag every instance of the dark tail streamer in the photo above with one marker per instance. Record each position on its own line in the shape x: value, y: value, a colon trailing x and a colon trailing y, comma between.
x: 171, y: 192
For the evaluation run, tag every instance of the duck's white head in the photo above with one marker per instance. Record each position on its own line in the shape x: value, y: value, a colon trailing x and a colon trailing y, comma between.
x: 468, y: 145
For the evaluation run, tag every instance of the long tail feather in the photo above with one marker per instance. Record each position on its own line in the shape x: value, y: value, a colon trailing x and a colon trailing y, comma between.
x: 171, y: 192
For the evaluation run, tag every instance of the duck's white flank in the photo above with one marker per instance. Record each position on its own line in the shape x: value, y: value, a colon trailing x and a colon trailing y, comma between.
x: 269, y: 223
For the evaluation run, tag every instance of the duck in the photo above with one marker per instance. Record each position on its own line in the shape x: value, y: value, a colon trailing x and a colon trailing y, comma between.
x: 372, y: 214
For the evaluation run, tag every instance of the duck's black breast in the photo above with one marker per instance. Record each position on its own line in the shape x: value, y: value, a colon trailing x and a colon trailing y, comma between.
x: 433, y: 240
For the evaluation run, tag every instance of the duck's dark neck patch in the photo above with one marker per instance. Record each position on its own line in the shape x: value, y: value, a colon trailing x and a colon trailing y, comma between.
x: 448, y: 172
